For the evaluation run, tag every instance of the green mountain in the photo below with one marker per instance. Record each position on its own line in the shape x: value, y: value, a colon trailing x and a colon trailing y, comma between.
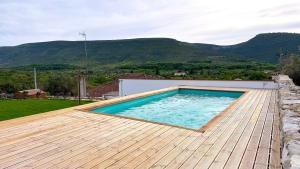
x: 263, y: 47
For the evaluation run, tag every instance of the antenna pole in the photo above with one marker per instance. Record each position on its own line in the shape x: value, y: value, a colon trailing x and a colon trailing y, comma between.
x: 35, y: 83
x: 86, y: 61
x: 83, y: 34
x: 81, y: 80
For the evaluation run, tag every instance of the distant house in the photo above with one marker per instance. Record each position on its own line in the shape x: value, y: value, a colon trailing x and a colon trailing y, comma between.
x: 31, y: 93
x: 275, y: 73
x: 180, y: 73
x: 3, y: 95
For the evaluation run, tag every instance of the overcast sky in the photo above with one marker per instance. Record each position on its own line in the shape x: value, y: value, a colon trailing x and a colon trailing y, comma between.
x: 204, y: 21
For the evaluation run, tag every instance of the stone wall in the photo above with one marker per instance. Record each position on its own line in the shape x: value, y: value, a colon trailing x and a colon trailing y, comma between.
x: 289, y: 103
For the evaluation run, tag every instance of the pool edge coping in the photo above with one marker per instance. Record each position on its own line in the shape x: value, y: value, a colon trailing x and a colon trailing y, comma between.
x: 202, y: 129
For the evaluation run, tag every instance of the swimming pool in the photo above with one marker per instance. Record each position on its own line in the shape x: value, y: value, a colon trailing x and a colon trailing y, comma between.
x: 186, y: 108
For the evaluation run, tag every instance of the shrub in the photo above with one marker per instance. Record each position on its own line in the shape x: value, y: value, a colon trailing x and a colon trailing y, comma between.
x: 291, y: 67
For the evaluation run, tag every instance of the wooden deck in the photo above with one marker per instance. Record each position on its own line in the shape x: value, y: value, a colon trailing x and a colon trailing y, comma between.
x: 247, y: 136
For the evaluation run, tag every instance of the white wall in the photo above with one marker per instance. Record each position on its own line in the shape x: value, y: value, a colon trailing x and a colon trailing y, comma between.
x: 133, y: 86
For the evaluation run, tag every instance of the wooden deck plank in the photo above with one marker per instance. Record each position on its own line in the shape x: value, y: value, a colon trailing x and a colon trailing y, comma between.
x: 51, y: 140
x: 165, y: 150
x: 58, y: 146
x: 180, y: 159
x: 231, y: 136
x: 119, y: 146
x: 33, y: 130
x: 262, y: 156
x: 248, y: 141
x: 86, y: 156
x: 239, y: 138
x: 136, y: 161
x: 95, y: 144
x: 48, y: 136
x: 121, y: 158
x: 249, y: 156
x: 275, y: 161
x: 145, y: 137
x: 79, y: 145
x: 163, y: 162
x: 246, y: 135
x: 232, y: 122
x: 103, y: 154
x: 37, y: 124
x: 185, y: 153
x: 26, y: 135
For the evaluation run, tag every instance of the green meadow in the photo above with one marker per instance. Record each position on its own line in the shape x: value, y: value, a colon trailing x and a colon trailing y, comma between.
x: 10, y: 109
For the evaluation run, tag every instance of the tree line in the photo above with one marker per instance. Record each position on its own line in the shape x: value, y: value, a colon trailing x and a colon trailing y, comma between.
x: 290, y: 65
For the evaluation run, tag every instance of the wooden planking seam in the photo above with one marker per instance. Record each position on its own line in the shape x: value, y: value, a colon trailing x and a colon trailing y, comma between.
x: 164, y: 161
x: 238, y: 137
x: 49, y: 140
x: 54, y: 147
x: 234, y: 134
x: 275, y: 161
x: 42, y: 128
x: 252, y: 144
x: 170, y: 157
x: 120, y: 157
x: 97, y: 144
x: 29, y: 125
x: 105, y: 154
x: 38, y: 153
x: 162, y: 152
x: 265, y: 141
x: 240, y: 147
x: 34, y: 124
x: 180, y: 159
x: 194, y: 158
x: 35, y: 139
x: 134, y: 162
x: 68, y: 147
x: 47, y: 135
x: 194, y: 146
x: 34, y: 118
x: 35, y: 127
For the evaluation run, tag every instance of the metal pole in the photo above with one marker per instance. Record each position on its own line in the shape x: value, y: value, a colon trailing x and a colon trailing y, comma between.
x: 35, y: 84
x: 85, y: 49
x: 79, y: 78
x: 86, y: 69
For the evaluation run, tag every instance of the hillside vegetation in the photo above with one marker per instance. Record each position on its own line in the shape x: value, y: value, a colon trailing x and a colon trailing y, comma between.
x: 291, y: 66
x: 263, y: 47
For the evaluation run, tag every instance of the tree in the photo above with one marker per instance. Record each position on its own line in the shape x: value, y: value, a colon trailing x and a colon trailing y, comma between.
x: 157, y: 70
x: 7, y: 88
x: 59, y: 85
x: 291, y: 67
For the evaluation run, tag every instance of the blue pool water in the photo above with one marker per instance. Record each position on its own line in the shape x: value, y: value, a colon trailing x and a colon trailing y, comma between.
x: 185, y: 108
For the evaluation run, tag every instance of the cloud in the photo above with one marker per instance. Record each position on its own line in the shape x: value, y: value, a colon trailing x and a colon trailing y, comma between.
x: 214, y: 21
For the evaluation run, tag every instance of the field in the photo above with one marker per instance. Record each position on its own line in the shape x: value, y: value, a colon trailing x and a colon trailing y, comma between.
x: 18, y: 108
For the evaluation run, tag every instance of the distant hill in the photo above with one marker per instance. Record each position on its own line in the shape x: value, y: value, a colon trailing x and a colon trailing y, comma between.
x: 263, y: 47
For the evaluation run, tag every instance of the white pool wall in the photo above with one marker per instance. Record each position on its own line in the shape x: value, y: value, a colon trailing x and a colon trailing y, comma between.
x: 134, y: 86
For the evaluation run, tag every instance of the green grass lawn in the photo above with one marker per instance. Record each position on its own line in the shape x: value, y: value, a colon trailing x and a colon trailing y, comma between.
x: 10, y: 109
